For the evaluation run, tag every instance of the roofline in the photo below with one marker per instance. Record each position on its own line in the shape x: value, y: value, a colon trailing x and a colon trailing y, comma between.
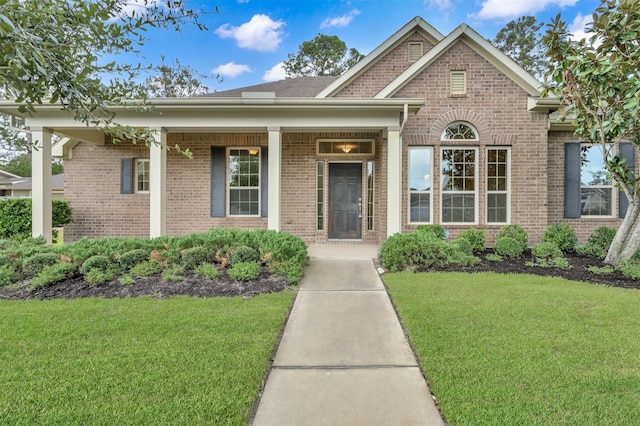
x: 428, y: 30
x: 476, y: 42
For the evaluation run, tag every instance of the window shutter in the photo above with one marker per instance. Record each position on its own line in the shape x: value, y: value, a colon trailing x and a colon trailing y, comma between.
x: 264, y: 183
x: 626, y: 151
x: 458, y: 82
x: 126, y: 176
x: 572, y: 205
x: 218, y: 181
x: 415, y: 51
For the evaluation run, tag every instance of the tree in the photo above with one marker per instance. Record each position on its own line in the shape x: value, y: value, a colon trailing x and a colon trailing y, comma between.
x: 324, y: 55
x: 176, y: 81
x: 21, y: 165
x: 67, y: 51
x: 521, y: 40
x: 598, y: 81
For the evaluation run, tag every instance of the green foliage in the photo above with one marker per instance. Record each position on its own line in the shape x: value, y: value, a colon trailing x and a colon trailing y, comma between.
x: 132, y: 258
x: 601, y: 270
x: 98, y: 262
x: 324, y: 55
x: 244, y: 271
x: 5, y: 244
x: 196, y: 256
x: 173, y: 273
x: 546, y: 250
x: 97, y: 275
x: 15, y: 217
x: 146, y: 269
x: 126, y: 280
x: 494, y: 257
x: 630, y: 268
x: 5, y: 260
x: 292, y: 270
x: 177, y: 81
x: 435, y: 228
x: 52, y: 274
x: 421, y: 250
x: 521, y: 40
x: 244, y: 254
x: 477, y: 238
x: 514, y: 231
x: 208, y: 271
x: 8, y: 275
x: 35, y: 264
x: 463, y: 245
x: 21, y: 164
x: 562, y: 235
x: 509, y: 247
x: 598, y: 243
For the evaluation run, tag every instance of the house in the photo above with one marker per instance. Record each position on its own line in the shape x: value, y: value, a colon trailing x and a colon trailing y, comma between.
x: 14, y: 186
x: 427, y: 128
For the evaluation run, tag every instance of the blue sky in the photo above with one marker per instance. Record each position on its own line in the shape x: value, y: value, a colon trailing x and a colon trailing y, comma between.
x: 248, y: 39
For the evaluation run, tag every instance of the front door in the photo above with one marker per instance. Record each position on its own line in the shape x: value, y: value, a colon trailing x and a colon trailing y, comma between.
x: 345, y: 200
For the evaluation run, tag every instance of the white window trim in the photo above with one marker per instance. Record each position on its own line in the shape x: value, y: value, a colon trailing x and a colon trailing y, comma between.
x: 416, y: 148
x: 138, y: 161
x: 458, y: 74
x: 508, y: 191
x: 614, y: 193
x: 443, y: 135
x: 228, y: 178
x: 475, y: 192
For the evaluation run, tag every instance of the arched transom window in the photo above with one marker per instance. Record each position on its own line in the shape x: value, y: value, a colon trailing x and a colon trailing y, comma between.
x: 459, y: 131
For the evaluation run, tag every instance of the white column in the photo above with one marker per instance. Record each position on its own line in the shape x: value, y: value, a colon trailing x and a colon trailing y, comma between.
x: 158, y: 184
x: 274, y: 190
x: 394, y: 181
x: 41, y: 213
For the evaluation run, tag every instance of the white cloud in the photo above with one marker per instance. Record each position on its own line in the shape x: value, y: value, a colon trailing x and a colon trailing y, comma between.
x: 139, y: 7
x: 261, y: 33
x: 577, y: 27
x: 441, y: 5
x: 243, y: 1
x: 276, y: 73
x: 492, y: 9
x: 340, y: 21
x: 231, y: 69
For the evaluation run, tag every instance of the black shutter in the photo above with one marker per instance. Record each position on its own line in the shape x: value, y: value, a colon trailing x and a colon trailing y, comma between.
x: 218, y: 181
x: 126, y: 176
x: 264, y: 183
x: 627, y: 152
x: 572, y: 206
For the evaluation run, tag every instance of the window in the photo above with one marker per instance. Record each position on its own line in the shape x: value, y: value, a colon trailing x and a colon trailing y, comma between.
x: 345, y: 146
x: 320, y: 195
x: 498, y: 177
x: 415, y: 51
x: 142, y: 175
x: 420, y: 174
x: 370, y: 187
x: 459, y: 130
x: 459, y: 193
x: 596, y: 188
x: 458, y: 82
x: 244, y: 181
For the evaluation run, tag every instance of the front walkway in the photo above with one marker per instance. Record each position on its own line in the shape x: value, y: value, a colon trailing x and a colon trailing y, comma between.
x: 343, y: 358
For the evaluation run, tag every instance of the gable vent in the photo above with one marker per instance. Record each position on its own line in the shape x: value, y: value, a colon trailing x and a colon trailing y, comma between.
x: 415, y: 51
x: 458, y: 82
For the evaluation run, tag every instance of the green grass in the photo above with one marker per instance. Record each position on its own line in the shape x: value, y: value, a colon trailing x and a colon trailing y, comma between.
x: 136, y: 361
x: 524, y: 350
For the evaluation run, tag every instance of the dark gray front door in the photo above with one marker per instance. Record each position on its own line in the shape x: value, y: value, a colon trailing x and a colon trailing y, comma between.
x: 345, y: 200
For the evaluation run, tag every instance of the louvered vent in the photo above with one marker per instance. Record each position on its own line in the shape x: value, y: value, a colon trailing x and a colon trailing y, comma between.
x: 458, y: 82
x: 415, y: 51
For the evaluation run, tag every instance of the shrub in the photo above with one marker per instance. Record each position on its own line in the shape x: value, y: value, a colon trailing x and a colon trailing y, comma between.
x: 494, y: 257
x: 516, y: 232
x: 282, y: 247
x: 126, y: 280
x: 8, y: 275
x: 437, y: 230
x: 196, y: 256
x: 146, y: 269
x: 477, y: 238
x: 52, y: 274
x: 292, y: 270
x: 208, y: 271
x: 562, y: 235
x: 173, y: 273
x: 245, y: 271
x: 630, y: 268
x: 509, y: 247
x: 5, y: 260
x: 5, y: 244
x: 35, y: 264
x: 598, y: 243
x: 98, y: 262
x: 97, y: 275
x: 242, y: 254
x: 132, y: 258
x: 463, y: 245
x: 15, y: 216
x: 546, y: 250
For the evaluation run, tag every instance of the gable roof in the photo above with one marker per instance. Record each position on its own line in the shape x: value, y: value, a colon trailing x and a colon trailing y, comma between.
x: 7, y: 175
x: 479, y: 44
x: 416, y: 24
x: 300, y: 87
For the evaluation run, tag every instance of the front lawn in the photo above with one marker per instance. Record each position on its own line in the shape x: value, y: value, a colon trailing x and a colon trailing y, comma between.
x: 137, y: 360
x: 521, y: 349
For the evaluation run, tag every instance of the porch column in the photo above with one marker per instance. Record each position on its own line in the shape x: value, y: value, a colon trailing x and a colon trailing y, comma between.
x: 41, y: 210
x: 158, y: 184
x: 394, y: 181
x: 275, y: 160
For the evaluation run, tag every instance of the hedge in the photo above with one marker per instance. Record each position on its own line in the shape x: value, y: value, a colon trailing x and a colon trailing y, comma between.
x: 15, y: 217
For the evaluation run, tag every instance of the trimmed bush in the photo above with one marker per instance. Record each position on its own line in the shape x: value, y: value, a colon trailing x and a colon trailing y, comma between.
x: 463, y: 245
x: 562, y: 235
x: 96, y: 275
x: 435, y: 228
x: 196, y: 256
x: 477, y: 238
x: 509, y: 247
x: 146, y: 269
x: 35, y: 264
x: 598, y: 243
x: 173, y: 273
x: 98, y: 262
x: 244, y: 271
x: 516, y: 232
x: 242, y: 254
x: 52, y: 274
x: 8, y: 275
x: 132, y: 258
x: 630, y: 268
x: 15, y: 216
x: 5, y: 260
x: 208, y: 271
x: 546, y: 250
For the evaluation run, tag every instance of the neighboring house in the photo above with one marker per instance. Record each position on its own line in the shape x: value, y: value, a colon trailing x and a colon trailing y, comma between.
x: 425, y: 129
x: 14, y: 186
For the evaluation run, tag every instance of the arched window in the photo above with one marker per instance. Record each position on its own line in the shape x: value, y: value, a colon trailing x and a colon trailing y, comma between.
x: 459, y: 131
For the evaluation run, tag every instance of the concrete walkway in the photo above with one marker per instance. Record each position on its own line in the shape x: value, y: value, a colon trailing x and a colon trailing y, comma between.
x: 343, y: 358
